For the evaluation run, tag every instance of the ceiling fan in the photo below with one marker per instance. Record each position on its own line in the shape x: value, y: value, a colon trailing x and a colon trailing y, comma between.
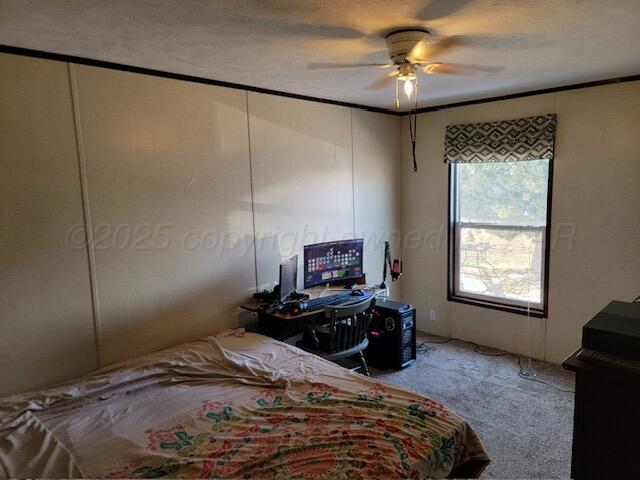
x: 411, y: 51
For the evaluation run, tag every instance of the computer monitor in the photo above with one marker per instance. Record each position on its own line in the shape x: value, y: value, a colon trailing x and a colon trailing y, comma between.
x: 332, y: 261
x: 288, y: 277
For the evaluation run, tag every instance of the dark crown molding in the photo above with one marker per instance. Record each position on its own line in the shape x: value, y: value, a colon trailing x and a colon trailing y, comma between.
x: 178, y: 76
x: 190, y: 78
x: 530, y: 93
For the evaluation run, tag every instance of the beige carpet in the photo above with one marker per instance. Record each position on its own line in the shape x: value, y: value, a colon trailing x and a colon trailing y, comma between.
x: 525, y: 426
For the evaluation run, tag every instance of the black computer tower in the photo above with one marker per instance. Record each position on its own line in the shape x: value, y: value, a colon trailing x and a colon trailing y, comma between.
x: 392, y: 335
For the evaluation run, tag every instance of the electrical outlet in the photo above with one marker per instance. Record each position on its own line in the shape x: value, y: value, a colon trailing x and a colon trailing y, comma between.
x: 432, y: 315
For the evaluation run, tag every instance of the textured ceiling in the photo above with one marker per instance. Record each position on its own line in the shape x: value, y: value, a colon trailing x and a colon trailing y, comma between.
x: 268, y: 44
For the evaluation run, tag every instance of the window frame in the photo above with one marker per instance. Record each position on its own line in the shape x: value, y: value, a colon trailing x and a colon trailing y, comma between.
x: 453, y: 258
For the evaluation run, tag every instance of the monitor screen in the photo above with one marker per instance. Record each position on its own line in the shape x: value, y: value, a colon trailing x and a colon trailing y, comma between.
x: 288, y: 277
x: 332, y: 261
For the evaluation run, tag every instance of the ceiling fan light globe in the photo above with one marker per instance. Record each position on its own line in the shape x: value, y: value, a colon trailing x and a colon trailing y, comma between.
x: 408, y: 88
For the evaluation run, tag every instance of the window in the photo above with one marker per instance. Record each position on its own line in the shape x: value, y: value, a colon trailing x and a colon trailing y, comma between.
x: 498, y: 234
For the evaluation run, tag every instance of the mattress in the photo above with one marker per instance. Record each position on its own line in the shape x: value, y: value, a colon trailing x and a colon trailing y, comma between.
x: 234, y: 405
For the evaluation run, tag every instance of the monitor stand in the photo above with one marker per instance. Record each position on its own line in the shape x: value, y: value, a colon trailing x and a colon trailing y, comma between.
x: 348, y: 283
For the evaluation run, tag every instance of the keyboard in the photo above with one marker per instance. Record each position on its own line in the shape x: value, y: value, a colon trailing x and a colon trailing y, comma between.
x: 321, y: 302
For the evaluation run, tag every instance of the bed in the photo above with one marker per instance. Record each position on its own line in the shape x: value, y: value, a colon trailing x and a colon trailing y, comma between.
x: 234, y: 405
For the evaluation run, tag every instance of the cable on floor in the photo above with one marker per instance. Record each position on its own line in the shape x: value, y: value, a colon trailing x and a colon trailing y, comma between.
x: 423, y: 347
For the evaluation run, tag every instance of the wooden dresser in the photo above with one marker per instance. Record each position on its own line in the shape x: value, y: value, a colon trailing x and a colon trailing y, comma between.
x: 606, y: 425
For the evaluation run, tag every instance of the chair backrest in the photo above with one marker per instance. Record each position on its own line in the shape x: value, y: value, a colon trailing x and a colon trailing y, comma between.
x: 349, y: 324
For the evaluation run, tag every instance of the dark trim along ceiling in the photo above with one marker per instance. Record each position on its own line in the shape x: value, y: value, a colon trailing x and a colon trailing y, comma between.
x: 189, y: 78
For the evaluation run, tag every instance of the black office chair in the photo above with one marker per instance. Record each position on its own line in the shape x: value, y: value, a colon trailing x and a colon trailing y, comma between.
x: 344, y: 336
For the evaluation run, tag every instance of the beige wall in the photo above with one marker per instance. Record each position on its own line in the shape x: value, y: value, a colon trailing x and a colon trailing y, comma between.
x: 46, y: 321
x: 173, y: 179
x: 302, y: 178
x: 377, y: 177
x: 595, y: 231
x: 167, y: 166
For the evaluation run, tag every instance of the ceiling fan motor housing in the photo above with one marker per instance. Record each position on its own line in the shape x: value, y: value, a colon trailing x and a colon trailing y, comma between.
x: 402, y: 42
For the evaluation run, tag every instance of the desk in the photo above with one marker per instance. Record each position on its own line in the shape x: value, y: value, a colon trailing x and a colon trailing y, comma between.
x: 285, y: 325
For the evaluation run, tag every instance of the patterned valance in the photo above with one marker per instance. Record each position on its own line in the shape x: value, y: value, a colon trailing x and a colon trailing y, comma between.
x: 529, y: 138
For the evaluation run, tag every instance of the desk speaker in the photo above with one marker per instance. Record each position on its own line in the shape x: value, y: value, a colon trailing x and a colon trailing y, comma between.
x: 392, y: 335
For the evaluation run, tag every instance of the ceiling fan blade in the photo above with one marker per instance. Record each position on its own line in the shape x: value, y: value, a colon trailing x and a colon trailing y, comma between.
x: 425, y: 52
x: 347, y: 65
x: 419, y: 51
x: 458, y: 68
x: 383, y: 82
x: 435, y: 10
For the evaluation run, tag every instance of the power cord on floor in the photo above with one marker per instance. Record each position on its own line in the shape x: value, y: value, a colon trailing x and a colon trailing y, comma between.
x: 423, y: 347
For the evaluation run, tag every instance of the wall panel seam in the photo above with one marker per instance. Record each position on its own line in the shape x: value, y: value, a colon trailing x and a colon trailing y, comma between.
x: 86, y: 208
x: 398, y: 225
x: 353, y: 176
x: 253, y: 205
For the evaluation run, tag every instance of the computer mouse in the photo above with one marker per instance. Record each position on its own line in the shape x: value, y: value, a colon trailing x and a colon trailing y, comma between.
x: 357, y: 292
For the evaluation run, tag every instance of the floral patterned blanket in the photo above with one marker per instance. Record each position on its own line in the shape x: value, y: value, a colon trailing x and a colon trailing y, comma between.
x: 237, y: 405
